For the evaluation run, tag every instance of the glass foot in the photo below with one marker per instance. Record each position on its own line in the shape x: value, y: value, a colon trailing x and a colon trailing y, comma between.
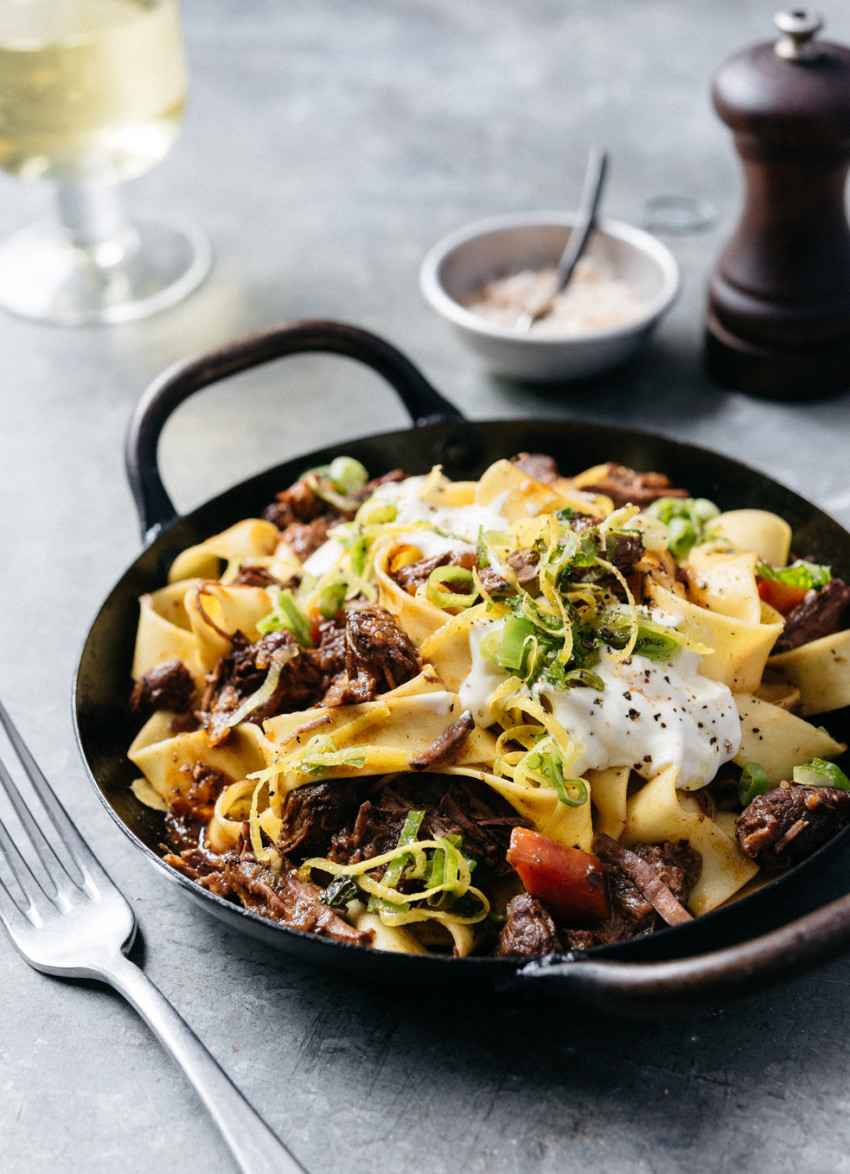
x: 148, y: 267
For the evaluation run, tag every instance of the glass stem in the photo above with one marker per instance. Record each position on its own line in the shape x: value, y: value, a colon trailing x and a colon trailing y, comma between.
x: 95, y: 222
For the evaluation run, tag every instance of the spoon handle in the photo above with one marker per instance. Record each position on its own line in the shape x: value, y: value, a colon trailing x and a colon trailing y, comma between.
x: 594, y: 181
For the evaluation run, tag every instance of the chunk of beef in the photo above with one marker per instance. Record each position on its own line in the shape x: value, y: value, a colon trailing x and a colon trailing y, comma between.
x: 541, y: 467
x: 254, y: 575
x: 528, y: 931
x: 280, y: 895
x: 626, y: 487
x: 415, y: 574
x: 244, y: 670
x: 657, y: 872
x: 305, y: 538
x: 676, y: 866
x: 165, y: 686
x: 523, y: 563
x: 624, y: 551
x: 312, y: 813
x: 299, y: 503
x: 789, y: 823
x: 376, y: 647
x: 368, y: 654
x: 820, y: 613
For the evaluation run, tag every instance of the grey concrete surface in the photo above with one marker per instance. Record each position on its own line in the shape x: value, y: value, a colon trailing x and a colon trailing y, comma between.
x: 326, y: 146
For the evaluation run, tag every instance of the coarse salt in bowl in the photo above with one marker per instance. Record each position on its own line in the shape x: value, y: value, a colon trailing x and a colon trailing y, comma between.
x: 481, y: 278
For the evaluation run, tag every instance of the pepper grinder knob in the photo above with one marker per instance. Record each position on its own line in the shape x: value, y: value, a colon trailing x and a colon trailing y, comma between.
x: 799, y: 30
x: 778, y: 322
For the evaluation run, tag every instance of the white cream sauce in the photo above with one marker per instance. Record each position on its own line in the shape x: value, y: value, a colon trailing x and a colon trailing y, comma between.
x: 434, y: 530
x: 651, y: 714
x: 461, y: 523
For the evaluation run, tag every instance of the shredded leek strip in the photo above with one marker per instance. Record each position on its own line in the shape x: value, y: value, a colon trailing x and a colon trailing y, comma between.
x: 266, y: 690
x: 618, y: 520
x: 268, y: 855
x: 444, y: 916
x: 420, y: 863
x: 232, y: 795
x: 321, y: 752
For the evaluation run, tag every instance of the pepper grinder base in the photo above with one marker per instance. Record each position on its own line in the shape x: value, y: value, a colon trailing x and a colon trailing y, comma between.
x: 798, y: 375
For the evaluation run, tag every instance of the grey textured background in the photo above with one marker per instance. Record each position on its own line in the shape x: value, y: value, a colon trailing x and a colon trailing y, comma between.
x: 327, y: 145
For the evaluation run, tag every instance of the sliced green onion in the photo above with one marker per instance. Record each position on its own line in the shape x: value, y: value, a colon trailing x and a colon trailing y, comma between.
x: 686, y: 518
x: 583, y: 677
x: 819, y: 773
x: 509, y: 646
x: 287, y: 614
x: 409, y: 834
x: 753, y: 781
x: 376, y: 513
x: 656, y: 645
x: 440, y: 576
x: 549, y: 764
x: 332, y: 598
x: 347, y: 474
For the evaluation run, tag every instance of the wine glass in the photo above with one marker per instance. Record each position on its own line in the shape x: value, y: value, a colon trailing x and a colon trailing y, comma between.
x: 91, y: 94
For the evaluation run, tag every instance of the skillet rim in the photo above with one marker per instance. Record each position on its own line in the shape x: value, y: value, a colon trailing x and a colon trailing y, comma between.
x: 324, y: 952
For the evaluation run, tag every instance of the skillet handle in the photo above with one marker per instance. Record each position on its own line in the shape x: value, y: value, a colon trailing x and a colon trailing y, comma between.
x: 153, y: 505
x: 688, y: 984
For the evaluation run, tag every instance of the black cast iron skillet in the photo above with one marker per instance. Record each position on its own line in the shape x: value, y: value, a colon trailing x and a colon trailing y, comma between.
x: 737, y: 950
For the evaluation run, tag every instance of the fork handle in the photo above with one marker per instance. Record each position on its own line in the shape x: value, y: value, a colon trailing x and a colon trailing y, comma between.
x: 255, y: 1147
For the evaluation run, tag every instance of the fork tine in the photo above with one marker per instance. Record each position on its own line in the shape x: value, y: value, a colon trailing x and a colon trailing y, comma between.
x: 11, y: 914
x: 61, y: 885
x: 78, y: 849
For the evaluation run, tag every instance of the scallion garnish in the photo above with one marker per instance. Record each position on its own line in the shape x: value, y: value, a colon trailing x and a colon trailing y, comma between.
x: 753, y: 781
x: 287, y: 614
x: 435, y: 588
x: 819, y: 773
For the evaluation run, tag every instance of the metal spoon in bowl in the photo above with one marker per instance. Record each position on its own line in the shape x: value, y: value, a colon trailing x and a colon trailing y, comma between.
x: 580, y: 234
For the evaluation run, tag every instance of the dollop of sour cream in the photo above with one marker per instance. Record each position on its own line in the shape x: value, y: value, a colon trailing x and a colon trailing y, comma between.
x: 436, y: 528
x: 649, y: 715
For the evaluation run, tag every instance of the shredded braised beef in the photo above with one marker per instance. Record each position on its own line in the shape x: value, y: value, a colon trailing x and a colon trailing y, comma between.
x: 453, y: 805
x: 789, y: 823
x: 677, y: 867
x: 312, y: 813
x: 624, y: 486
x: 377, y: 656
x: 355, y: 658
x: 242, y: 672
x: 278, y: 893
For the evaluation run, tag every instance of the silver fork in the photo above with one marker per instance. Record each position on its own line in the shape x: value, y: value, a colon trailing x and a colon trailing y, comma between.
x: 82, y: 928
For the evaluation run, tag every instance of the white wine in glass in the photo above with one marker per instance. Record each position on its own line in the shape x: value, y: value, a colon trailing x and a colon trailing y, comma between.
x: 92, y: 94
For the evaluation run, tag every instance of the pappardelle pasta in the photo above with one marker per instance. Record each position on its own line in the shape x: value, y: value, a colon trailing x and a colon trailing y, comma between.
x: 515, y: 715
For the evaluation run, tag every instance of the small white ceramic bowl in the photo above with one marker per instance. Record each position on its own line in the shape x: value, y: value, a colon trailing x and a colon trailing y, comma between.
x: 466, y: 259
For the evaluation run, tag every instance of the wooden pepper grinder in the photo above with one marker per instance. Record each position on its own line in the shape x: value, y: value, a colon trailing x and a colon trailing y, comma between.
x: 779, y: 297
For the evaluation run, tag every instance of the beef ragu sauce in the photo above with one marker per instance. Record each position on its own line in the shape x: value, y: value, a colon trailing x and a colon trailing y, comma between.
x: 512, y: 716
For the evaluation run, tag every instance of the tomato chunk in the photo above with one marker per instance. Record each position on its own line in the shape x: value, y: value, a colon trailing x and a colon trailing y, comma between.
x: 783, y: 596
x: 569, y: 882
